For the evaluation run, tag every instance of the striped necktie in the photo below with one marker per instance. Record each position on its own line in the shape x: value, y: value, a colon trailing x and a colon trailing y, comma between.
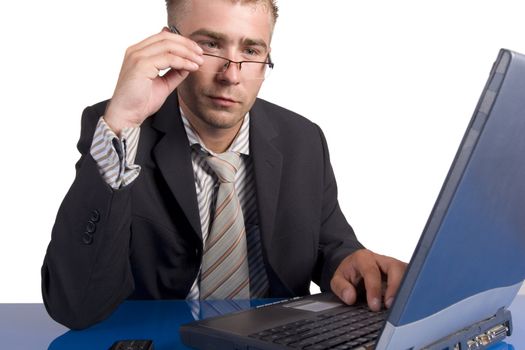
x: 225, y: 272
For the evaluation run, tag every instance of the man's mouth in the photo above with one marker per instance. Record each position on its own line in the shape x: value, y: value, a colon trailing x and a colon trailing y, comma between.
x: 224, y: 101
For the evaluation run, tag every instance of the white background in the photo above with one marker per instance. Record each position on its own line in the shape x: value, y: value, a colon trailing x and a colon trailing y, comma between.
x: 393, y: 84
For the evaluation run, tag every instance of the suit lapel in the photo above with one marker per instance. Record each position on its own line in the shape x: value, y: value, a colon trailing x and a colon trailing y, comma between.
x: 267, y: 160
x: 173, y: 156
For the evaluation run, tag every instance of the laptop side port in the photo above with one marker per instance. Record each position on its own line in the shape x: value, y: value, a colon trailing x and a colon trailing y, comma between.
x: 489, y: 337
x: 478, y: 336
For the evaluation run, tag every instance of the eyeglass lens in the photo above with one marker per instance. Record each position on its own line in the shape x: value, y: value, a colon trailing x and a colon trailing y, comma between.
x: 249, y: 70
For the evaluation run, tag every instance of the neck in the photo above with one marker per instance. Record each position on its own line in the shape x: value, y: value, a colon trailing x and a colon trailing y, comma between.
x: 215, y: 139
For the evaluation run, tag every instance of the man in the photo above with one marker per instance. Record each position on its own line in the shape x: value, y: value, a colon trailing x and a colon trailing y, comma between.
x: 190, y: 187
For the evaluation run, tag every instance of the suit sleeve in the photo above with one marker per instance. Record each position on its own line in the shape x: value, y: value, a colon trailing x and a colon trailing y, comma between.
x: 337, y: 238
x: 86, y: 272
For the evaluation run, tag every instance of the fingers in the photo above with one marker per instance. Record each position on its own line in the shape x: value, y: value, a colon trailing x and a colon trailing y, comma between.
x: 347, y: 277
x: 151, y: 66
x: 371, y: 274
x: 173, y: 78
x: 369, y: 267
x: 166, y: 35
x: 343, y: 288
x: 394, y: 270
x: 169, y: 46
x: 372, y: 280
x: 164, y: 50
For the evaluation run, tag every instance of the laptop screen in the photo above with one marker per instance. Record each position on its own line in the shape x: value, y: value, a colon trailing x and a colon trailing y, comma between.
x: 469, y: 260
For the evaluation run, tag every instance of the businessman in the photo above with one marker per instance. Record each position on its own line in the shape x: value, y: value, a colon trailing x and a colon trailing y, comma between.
x: 189, y: 186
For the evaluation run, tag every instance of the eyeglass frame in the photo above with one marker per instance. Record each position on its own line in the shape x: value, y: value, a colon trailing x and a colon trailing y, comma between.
x: 269, y: 62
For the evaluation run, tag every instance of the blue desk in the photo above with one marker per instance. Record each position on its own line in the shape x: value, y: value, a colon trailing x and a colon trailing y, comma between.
x: 28, y: 327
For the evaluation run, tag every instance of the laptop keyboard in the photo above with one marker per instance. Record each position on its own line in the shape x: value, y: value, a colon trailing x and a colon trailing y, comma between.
x: 340, y: 329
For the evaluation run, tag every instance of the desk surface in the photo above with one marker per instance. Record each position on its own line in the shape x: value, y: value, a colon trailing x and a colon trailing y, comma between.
x: 27, y: 326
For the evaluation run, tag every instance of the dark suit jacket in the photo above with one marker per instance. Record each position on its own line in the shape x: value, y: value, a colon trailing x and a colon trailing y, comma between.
x: 146, y: 242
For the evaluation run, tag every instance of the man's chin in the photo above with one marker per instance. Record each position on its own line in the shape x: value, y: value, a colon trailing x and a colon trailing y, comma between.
x: 222, y: 119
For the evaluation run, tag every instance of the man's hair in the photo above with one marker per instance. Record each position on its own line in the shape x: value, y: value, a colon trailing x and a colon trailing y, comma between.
x: 177, y: 8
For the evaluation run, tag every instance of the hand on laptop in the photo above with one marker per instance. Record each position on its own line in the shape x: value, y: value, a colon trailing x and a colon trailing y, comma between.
x: 369, y: 267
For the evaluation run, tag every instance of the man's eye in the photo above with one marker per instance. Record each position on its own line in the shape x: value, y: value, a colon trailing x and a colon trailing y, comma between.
x: 209, y: 45
x: 252, y: 52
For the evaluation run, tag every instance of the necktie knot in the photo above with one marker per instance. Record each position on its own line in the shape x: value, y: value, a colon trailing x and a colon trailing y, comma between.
x: 225, y: 165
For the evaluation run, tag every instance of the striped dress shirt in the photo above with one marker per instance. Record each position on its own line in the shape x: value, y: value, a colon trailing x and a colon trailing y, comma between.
x: 116, y: 156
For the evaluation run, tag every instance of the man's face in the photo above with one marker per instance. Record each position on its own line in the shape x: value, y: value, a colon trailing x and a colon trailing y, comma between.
x: 235, y: 31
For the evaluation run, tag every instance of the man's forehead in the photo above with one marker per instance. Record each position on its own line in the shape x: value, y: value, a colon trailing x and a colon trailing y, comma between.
x: 231, y: 20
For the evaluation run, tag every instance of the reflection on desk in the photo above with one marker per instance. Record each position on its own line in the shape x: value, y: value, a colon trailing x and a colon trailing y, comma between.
x: 27, y: 326
x: 156, y: 320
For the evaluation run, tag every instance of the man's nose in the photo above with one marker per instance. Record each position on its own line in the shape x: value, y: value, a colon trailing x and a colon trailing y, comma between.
x: 231, y: 74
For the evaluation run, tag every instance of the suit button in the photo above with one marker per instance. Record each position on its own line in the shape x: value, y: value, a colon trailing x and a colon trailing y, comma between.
x: 87, y: 238
x: 95, y: 216
x: 91, y: 227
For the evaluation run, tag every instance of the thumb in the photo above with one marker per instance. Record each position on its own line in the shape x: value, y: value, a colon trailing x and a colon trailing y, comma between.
x: 174, y: 77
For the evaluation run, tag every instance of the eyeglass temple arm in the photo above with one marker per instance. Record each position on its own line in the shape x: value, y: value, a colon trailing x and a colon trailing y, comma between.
x: 173, y: 29
x: 270, y: 62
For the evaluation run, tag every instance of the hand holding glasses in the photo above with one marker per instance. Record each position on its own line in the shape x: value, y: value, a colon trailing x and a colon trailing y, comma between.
x: 216, y: 64
x: 141, y: 89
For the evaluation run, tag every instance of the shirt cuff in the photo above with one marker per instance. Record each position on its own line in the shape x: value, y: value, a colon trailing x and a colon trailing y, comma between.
x: 115, y: 156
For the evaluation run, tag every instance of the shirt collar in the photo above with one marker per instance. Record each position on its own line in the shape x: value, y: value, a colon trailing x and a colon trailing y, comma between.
x: 241, y: 143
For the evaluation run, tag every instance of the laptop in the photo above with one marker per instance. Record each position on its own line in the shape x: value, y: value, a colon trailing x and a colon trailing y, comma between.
x: 466, y: 269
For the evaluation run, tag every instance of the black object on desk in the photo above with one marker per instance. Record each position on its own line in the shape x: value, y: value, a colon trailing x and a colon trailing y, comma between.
x: 138, y: 344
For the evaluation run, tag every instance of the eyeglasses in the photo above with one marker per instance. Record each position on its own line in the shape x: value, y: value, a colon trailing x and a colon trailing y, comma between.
x: 215, y: 64
x: 249, y: 69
